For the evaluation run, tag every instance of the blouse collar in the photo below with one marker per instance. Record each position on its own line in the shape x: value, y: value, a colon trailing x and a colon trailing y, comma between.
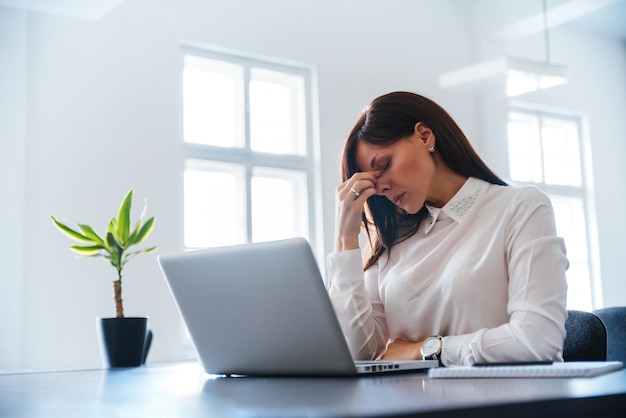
x: 461, y: 203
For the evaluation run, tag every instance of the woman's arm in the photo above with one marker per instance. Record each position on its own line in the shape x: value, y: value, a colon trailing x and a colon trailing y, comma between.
x: 360, y: 313
x: 537, y: 292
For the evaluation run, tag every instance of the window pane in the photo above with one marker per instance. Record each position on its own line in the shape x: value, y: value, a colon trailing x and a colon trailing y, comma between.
x: 277, y: 112
x: 569, y: 214
x: 279, y: 204
x: 214, y: 204
x: 544, y: 149
x: 578, y: 287
x: 561, y: 152
x: 570, y: 224
x: 213, y: 110
x: 525, y: 159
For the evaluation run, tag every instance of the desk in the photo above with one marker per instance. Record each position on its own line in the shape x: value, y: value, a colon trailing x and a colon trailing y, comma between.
x: 182, y: 390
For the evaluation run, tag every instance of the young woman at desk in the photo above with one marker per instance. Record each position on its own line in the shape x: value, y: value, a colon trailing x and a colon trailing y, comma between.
x: 461, y: 267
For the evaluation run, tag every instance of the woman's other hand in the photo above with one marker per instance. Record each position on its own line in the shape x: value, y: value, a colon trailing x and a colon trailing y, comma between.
x: 403, y: 350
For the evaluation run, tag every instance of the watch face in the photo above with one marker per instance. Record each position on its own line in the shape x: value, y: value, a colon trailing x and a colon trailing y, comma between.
x: 430, y: 346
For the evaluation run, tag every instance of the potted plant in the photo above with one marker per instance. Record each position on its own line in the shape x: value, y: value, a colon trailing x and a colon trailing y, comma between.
x: 124, y: 341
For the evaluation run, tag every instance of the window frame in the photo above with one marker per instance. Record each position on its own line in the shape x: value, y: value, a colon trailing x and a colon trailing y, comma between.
x: 583, y: 192
x: 308, y: 164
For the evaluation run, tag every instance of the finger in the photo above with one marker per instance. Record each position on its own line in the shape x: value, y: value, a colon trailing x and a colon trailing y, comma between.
x: 358, y: 192
x: 366, y: 175
x: 355, y: 192
x: 362, y: 181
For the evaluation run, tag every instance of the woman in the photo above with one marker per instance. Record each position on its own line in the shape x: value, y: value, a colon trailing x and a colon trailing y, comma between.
x: 462, y: 267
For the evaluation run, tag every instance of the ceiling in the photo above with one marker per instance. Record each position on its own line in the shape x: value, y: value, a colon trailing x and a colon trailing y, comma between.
x: 609, y: 20
x: 81, y: 9
x: 604, y: 17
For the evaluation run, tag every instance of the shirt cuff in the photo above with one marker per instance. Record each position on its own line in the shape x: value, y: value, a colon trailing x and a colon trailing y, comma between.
x: 455, y: 351
x: 344, y: 267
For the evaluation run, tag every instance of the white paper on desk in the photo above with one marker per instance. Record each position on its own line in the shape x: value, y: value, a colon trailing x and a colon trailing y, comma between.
x: 566, y: 369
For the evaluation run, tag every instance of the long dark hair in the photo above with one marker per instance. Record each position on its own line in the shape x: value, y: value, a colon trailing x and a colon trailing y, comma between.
x: 387, y: 119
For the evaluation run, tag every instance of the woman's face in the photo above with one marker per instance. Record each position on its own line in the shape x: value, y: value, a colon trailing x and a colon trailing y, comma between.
x: 404, y: 170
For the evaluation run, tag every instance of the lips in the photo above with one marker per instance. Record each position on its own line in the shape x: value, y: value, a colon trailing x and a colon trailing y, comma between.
x: 398, y: 199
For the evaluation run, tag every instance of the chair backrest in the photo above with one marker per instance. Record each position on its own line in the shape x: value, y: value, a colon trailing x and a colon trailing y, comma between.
x: 615, y: 321
x: 586, y: 337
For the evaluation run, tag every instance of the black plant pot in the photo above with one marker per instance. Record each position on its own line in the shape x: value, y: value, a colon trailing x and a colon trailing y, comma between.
x: 124, y: 342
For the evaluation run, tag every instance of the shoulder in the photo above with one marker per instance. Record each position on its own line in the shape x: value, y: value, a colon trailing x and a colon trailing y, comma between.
x: 517, y: 204
x: 523, y: 208
x: 518, y: 195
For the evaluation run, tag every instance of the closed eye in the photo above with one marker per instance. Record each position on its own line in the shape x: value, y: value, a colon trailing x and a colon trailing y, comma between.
x: 380, y: 163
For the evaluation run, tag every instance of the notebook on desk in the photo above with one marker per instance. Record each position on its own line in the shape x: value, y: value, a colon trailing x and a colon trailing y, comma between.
x: 559, y: 369
x: 262, y: 309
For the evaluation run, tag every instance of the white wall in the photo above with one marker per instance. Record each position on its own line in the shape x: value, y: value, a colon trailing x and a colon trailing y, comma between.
x: 95, y: 111
x: 13, y: 70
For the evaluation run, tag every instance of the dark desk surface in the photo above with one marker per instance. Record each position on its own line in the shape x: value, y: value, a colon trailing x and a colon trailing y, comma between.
x: 182, y: 390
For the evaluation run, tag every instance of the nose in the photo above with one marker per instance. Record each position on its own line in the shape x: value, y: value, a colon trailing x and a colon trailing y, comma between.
x: 382, y: 186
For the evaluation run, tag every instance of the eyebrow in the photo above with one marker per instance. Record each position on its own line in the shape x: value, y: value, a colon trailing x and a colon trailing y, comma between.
x: 373, y: 161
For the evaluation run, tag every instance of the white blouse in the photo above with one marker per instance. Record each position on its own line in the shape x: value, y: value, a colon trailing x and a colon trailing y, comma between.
x: 486, y: 271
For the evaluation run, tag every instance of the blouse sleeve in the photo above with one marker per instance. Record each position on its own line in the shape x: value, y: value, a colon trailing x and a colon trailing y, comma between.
x: 358, y: 306
x: 537, y: 292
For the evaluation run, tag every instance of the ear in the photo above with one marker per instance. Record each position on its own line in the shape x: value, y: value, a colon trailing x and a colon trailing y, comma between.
x: 424, y: 133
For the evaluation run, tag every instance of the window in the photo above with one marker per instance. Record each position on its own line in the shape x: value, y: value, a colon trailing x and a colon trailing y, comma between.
x: 546, y: 150
x: 250, y: 169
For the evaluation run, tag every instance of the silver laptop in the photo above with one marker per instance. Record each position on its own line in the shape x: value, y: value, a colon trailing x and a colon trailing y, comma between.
x: 262, y: 309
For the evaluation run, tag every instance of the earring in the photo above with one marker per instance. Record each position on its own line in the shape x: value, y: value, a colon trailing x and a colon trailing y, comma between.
x: 431, y: 149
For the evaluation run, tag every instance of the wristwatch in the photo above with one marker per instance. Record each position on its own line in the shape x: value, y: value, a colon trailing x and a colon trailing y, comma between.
x: 431, y: 348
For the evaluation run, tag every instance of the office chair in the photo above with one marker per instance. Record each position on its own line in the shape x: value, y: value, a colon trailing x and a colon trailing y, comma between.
x: 615, y: 321
x: 586, y: 338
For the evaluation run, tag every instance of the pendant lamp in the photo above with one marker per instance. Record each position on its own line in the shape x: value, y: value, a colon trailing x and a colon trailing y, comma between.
x: 506, y: 75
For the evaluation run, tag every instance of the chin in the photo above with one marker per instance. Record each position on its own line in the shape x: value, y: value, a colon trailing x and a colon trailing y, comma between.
x: 410, y: 210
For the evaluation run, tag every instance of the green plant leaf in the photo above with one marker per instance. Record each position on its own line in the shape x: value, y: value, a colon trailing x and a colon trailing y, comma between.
x: 90, y: 233
x: 91, y: 251
x: 123, y: 218
x: 132, y: 239
x: 145, y: 230
x: 113, y: 246
x: 112, y: 229
x: 129, y: 256
x: 112, y: 226
x: 115, y: 250
x: 75, y: 235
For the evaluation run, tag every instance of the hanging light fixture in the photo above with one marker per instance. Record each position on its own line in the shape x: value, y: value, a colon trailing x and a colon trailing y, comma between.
x: 511, y: 76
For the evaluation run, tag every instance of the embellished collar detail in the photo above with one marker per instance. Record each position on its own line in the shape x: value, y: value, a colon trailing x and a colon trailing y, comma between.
x: 460, y: 205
